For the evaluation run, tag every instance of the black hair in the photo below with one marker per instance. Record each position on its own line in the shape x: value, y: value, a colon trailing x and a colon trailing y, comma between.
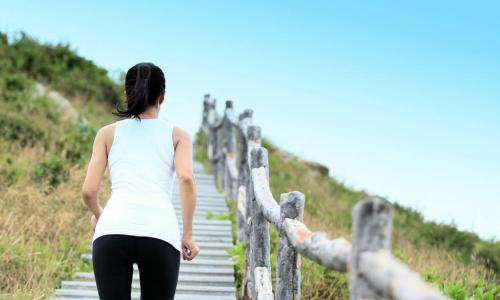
x: 144, y: 83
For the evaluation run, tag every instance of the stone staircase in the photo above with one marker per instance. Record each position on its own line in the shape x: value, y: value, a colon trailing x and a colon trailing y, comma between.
x: 210, y: 276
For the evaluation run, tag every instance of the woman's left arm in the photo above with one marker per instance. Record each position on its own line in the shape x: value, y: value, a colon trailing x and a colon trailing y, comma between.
x: 95, y: 172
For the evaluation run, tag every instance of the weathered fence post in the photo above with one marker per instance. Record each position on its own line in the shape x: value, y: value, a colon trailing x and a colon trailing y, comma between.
x: 260, y: 249
x: 229, y: 138
x: 212, y: 141
x: 263, y: 284
x: 253, y: 141
x: 371, y: 231
x: 221, y: 152
x: 204, y: 123
x: 288, y: 266
x: 245, y: 119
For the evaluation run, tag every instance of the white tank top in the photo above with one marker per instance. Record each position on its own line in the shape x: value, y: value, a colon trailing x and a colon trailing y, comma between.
x: 142, y: 173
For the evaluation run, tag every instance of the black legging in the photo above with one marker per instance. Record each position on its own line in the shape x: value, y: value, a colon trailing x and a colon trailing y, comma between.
x: 113, y: 257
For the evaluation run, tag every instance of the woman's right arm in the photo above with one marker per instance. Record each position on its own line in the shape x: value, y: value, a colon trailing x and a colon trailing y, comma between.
x: 183, y: 161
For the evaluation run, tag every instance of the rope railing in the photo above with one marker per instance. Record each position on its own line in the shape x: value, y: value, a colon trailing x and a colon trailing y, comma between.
x: 243, y: 174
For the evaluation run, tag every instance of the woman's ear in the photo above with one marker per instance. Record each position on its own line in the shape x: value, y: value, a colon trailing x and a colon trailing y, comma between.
x: 162, y: 97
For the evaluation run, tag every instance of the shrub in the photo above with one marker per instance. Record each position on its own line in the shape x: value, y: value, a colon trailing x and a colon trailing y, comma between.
x: 19, y: 128
x: 489, y: 255
x: 9, y: 174
x: 237, y: 253
x: 76, y: 144
x: 14, y: 87
x: 51, y: 171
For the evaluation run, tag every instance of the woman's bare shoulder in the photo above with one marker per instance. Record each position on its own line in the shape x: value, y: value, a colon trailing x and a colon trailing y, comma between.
x: 108, y: 133
x: 108, y: 130
x: 180, y: 134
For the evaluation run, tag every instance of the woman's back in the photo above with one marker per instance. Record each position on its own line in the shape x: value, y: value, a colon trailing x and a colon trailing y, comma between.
x: 142, y: 173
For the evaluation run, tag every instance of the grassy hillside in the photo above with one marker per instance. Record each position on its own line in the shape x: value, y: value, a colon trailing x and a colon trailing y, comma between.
x: 44, y: 225
x: 459, y: 263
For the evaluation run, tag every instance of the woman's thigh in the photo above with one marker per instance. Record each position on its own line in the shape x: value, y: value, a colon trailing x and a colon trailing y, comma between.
x: 112, y: 258
x: 158, y: 263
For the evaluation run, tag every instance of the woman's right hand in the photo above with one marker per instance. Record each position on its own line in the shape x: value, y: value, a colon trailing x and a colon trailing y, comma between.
x: 189, y: 248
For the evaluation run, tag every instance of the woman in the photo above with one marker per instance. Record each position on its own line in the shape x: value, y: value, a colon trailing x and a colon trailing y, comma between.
x: 139, y: 224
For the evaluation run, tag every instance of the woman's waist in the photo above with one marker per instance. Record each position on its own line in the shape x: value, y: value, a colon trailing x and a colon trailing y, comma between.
x: 154, y: 199
x: 118, y: 211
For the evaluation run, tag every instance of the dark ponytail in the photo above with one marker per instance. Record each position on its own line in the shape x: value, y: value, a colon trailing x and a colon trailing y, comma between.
x: 144, y: 83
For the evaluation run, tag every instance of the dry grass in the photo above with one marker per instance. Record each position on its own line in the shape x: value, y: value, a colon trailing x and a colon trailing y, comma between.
x: 43, y: 230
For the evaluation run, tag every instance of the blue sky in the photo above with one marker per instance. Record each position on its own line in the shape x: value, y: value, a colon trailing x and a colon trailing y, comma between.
x: 402, y: 100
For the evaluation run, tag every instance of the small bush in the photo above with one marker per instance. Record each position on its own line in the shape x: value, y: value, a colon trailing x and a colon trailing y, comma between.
x: 19, y: 128
x: 15, y: 87
x: 10, y: 173
x: 237, y: 253
x: 51, y: 171
x: 76, y: 144
x: 489, y: 255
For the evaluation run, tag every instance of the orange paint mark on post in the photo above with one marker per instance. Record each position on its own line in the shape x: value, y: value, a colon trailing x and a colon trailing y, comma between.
x: 302, y: 234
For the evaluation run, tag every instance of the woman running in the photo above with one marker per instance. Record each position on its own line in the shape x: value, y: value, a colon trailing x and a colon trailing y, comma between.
x: 138, y: 224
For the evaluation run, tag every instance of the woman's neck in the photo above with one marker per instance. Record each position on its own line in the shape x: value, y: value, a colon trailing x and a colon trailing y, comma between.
x: 150, y: 113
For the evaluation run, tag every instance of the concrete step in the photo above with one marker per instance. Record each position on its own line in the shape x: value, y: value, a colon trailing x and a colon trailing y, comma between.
x: 202, y: 291
x: 177, y: 297
x: 225, y: 239
x: 204, y: 177
x: 202, y: 195
x: 210, y: 232
x: 187, y: 279
x: 200, y: 190
x: 203, y: 207
x: 211, y: 222
x: 205, y: 289
x: 209, y: 227
x: 199, y: 215
x: 177, y: 204
x: 201, y: 184
x: 214, y: 245
x: 204, y: 201
x: 206, y: 270
x: 207, y: 200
